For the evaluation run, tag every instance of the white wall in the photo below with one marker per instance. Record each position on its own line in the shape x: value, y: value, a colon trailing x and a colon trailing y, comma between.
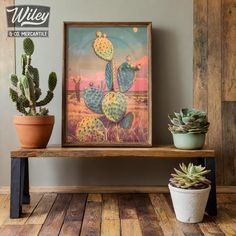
x: 172, y: 89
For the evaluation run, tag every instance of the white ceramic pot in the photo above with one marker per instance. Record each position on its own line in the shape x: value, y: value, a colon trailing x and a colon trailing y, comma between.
x: 189, y: 204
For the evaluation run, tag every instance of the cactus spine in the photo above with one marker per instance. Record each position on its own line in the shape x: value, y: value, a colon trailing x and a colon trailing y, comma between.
x: 25, y: 91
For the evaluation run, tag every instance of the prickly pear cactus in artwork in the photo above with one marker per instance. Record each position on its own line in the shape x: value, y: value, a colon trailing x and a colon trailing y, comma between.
x: 127, y: 121
x: 110, y: 74
x: 114, y: 106
x: 90, y: 130
x: 126, y: 75
x: 93, y: 99
x: 103, y: 47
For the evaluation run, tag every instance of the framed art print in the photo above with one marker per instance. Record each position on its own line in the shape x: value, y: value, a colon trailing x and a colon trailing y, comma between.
x: 107, y: 84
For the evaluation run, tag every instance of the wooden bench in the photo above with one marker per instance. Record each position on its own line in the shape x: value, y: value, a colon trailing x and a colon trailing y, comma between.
x: 20, y: 172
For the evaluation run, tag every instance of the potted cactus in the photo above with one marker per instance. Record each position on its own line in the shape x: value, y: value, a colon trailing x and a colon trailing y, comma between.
x: 189, y: 128
x: 35, y: 126
x: 189, y: 189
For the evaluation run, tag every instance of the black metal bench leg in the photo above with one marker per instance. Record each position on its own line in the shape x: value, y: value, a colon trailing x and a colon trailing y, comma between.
x: 26, y: 195
x: 16, y: 187
x: 211, y: 207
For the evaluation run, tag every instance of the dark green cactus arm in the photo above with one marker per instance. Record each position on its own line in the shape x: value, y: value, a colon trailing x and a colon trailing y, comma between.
x: 24, y: 101
x: 46, y: 100
x: 13, y: 95
x: 28, y: 88
x: 28, y: 46
x: 52, y: 81
x: 20, y: 108
x: 23, y: 63
x: 37, y: 93
x: 20, y: 88
x: 14, y: 80
x: 35, y: 73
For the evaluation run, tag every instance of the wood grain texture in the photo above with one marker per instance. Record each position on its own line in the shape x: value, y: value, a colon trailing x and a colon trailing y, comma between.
x: 214, y: 70
x: 30, y: 230
x: 92, y: 219
x: 4, y: 209
x: 139, y: 214
x: 214, y: 82
x: 110, y: 208
x: 74, y: 215
x: 146, y: 215
x: 56, y: 216
x: 166, y: 222
x: 110, y: 227
x: 26, y: 210
x: 200, y: 31
x: 130, y: 227
x: 229, y: 149
x: 41, y: 211
x: 110, y: 215
x: 159, y: 152
x: 127, y: 207
x: 229, y: 50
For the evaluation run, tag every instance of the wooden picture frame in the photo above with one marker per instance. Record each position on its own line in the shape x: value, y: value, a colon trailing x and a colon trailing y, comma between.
x: 107, y: 102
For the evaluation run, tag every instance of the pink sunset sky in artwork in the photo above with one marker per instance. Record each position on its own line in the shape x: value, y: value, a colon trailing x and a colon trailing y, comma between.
x: 140, y: 83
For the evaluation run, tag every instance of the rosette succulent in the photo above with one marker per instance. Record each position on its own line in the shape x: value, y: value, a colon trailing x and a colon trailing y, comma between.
x: 189, y: 121
x: 190, y: 177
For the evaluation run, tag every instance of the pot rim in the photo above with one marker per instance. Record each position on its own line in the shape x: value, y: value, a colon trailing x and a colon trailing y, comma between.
x: 181, y: 190
x: 33, y: 120
x: 188, y: 133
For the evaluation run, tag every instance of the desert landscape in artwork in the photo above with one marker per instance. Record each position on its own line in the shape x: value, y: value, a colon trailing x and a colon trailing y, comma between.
x: 107, y: 85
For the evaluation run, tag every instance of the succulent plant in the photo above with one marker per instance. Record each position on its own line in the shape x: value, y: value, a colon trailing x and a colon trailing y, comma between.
x: 26, y: 92
x: 189, y: 121
x: 190, y: 177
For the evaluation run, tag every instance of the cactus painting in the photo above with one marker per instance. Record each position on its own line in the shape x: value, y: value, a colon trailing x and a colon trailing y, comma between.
x: 110, y: 103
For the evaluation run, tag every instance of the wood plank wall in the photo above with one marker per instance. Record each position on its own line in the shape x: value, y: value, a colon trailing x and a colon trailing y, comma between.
x: 214, y: 70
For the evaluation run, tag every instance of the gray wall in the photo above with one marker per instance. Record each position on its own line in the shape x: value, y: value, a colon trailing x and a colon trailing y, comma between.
x: 172, y: 89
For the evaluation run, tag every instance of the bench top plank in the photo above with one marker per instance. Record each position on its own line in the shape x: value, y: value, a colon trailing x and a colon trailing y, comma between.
x: 88, y: 152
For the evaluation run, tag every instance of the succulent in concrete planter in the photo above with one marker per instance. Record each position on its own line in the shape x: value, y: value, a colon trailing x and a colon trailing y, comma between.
x: 189, y: 189
x: 188, y: 128
x: 35, y: 126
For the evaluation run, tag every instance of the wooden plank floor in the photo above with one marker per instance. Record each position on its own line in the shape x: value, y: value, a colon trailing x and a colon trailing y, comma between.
x: 111, y: 215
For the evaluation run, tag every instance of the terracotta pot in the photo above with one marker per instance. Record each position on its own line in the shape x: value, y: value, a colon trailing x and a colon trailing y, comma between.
x: 34, y: 131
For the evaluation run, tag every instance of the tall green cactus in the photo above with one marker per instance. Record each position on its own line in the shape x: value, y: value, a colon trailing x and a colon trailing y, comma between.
x: 25, y: 91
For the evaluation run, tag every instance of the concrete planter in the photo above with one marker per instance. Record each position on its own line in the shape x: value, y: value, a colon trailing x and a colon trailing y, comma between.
x: 189, y: 141
x: 189, y: 204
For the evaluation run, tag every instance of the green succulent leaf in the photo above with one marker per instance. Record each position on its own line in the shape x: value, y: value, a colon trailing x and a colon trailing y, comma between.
x: 191, y: 176
x: 14, y: 80
x: 52, y: 81
x: 28, y: 46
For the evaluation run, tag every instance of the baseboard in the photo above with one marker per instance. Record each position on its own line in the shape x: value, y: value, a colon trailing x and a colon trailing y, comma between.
x: 109, y: 189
